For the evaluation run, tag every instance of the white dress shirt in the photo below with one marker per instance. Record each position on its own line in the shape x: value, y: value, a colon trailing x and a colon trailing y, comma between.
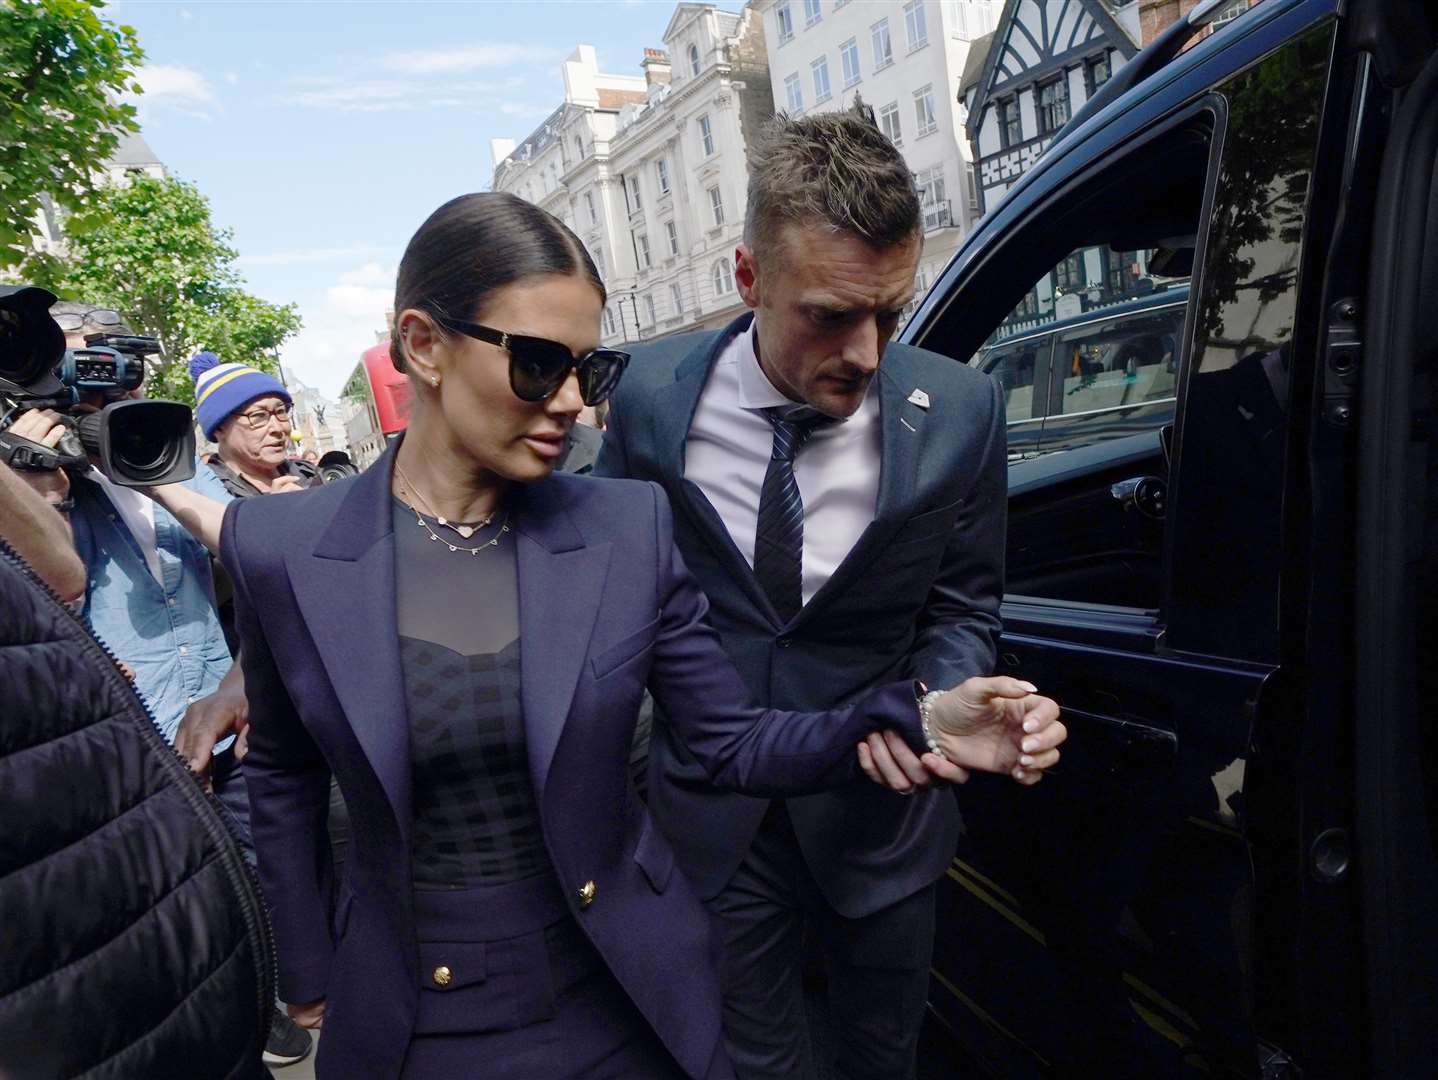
x: 837, y: 468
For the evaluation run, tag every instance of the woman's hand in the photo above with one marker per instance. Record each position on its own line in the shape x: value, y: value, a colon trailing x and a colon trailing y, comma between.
x: 311, y: 1016
x: 997, y: 725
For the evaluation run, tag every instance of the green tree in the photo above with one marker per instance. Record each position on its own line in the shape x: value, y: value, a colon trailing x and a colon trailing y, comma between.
x: 61, y: 69
x: 148, y: 249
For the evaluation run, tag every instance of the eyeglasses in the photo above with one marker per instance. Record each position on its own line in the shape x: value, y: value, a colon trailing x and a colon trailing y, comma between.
x: 538, y: 366
x: 74, y: 320
x: 259, y: 419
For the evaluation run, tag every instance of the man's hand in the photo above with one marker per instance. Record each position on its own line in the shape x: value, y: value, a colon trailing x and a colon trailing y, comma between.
x: 887, y: 760
x: 46, y: 427
x: 280, y: 484
x: 310, y: 1016
x: 998, y: 725
x: 207, y: 721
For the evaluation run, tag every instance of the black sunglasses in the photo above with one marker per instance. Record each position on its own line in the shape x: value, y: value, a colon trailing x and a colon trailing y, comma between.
x: 538, y: 366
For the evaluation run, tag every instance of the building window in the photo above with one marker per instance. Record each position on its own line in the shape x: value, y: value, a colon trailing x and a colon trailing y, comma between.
x: 1069, y: 275
x: 598, y: 257
x: 849, y: 56
x: 706, y: 135
x: 661, y: 170
x: 812, y: 12
x: 889, y: 123
x: 933, y: 198
x: 649, y: 308
x: 631, y: 194
x: 671, y: 234
x: 722, y: 278
x: 1053, y: 105
x: 786, y: 23
x: 820, y: 70
x: 914, y: 24
x: 924, y: 110
x: 641, y: 250
x: 716, y: 205
x: 589, y: 208
x: 676, y: 299
x: 608, y: 322
x: 1010, y: 126
x: 794, y: 94
x: 883, y: 50
x: 971, y: 181
x: 1096, y: 73
x: 579, y: 147
x: 694, y: 60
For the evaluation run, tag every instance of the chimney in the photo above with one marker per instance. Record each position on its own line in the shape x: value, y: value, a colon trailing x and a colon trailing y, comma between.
x: 656, y: 67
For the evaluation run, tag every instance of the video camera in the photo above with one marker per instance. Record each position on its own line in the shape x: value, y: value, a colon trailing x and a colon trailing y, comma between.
x: 135, y: 443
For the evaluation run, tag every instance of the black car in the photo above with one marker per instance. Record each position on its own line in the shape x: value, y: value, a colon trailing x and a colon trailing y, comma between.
x: 1105, y: 372
x: 1232, y: 871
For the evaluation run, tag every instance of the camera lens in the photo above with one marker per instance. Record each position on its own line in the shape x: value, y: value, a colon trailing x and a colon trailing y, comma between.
x: 140, y: 443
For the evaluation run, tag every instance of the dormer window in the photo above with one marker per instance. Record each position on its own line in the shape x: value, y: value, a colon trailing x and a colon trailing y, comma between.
x: 694, y: 60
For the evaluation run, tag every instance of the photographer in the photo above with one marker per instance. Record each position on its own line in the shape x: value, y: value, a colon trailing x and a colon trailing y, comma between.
x: 151, y: 599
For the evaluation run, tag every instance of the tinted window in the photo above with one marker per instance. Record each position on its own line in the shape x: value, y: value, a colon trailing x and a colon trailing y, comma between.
x: 1014, y: 369
x: 1125, y: 361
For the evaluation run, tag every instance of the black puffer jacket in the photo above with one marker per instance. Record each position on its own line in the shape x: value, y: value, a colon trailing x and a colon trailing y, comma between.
x: 133, y: 943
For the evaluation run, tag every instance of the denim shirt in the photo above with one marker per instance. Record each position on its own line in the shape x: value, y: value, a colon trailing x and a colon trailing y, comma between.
x: 168, y: 633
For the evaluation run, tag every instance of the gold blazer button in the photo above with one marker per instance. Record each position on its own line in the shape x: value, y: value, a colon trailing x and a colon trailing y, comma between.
x: 442, y: 976
x: 586, y: 893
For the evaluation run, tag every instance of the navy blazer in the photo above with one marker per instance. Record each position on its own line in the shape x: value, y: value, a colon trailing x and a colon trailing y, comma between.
x: 606, y: 607
x: 917, y: 597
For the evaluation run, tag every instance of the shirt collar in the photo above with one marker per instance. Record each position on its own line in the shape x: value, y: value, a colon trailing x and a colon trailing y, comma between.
x: 755, y: 389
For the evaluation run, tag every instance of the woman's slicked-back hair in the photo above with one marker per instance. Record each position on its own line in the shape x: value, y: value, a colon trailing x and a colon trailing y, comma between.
x: 474, y: 245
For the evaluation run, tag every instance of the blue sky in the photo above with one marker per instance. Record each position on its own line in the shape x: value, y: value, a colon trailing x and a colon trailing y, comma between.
x: 323, y: 133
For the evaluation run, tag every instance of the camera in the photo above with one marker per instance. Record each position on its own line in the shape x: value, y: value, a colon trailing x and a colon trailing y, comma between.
x: 135, y: 443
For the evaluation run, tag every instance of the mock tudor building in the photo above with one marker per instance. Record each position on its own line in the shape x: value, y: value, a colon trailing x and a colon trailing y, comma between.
x: 1023, y: 82
x: 650, y: 171
x: 904, y: 60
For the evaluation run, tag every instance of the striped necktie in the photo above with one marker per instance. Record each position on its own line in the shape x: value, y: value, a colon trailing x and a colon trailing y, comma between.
x: 779, y: 539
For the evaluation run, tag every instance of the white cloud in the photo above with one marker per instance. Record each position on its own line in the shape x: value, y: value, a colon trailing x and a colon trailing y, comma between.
x: 339, y: 94
x: 448, y: 61
x: 186, y: 14
x: 232, y: 77
x: 176, y: 88
x: 341, y: 327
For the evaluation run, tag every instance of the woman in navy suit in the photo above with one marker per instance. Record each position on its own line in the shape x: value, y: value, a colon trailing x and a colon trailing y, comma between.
x: 431, y: 633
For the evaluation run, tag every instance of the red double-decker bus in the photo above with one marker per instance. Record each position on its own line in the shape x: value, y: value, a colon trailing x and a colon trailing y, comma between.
x: 380, y: 399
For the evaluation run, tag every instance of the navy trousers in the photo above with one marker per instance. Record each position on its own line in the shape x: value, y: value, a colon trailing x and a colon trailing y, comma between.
x: 878, y: 968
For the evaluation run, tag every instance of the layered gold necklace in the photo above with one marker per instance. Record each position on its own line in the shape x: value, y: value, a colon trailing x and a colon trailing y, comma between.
x: 464, y: 529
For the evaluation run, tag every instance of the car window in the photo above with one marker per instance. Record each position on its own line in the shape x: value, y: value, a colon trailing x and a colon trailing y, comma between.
x: 1014, y: 369
x: 1117, y: 362
x: 1097, y: 283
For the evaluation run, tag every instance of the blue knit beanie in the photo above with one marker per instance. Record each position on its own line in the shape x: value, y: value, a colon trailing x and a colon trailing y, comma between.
x: 221, y: 390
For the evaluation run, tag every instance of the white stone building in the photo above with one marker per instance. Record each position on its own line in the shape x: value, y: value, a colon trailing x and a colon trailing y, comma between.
x: 650, y: 172
x: 132, y: 157
x: 904, y: 59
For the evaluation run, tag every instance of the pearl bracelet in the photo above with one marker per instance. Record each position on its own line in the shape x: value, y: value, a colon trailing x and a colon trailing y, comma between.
x: 926, y: 705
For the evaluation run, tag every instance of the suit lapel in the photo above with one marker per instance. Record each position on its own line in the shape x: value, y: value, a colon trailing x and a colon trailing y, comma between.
x: 561, y: 583
x: 901, y: 427
x: 345, y: 588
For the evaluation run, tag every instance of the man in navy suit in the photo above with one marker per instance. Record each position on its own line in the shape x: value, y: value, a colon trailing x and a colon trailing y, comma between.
x: 846, y: 520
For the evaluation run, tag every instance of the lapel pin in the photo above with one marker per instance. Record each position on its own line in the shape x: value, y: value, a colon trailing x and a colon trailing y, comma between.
x: 908, y: 425
x: 919, y: 398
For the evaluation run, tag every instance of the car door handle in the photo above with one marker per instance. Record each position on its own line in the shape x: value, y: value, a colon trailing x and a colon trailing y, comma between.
x: 1147, y: 495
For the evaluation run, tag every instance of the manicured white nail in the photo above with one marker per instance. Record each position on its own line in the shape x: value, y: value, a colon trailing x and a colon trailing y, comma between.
x: 1031, y: 725
x: 1030, y: 687
x: 1029, y: 745
x: 1026, y: 760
